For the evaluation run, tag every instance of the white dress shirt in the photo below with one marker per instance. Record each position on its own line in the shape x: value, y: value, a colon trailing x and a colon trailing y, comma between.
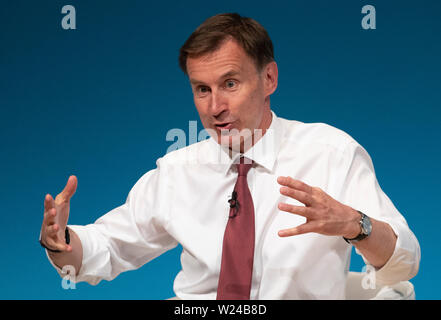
x: 185, y: 200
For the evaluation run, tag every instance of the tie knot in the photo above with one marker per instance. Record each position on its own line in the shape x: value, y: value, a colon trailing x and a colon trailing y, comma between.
x: 244, y: 166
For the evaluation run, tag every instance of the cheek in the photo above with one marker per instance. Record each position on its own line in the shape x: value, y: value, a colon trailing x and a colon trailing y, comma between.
x: 201, y: 108
x: 251, y: 108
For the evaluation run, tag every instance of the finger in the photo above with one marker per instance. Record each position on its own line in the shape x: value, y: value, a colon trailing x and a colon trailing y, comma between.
x: 294, y: 184
x: 57, y: 245
x: 52, y: 230
x: 55, y: 240
x: 301, y: 229
x: 300, y: 210
x: 49, y: 202
x: 49, y: 216
x: 69, y: 189
x: 301, y: 196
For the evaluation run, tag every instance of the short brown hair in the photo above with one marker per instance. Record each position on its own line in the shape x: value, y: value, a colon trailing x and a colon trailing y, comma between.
x: 209, y: 36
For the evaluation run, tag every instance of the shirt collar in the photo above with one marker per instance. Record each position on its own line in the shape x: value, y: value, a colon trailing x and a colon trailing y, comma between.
x: 263, y: 153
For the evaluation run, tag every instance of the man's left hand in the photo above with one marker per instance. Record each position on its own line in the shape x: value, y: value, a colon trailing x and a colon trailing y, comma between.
x: 323, y: 214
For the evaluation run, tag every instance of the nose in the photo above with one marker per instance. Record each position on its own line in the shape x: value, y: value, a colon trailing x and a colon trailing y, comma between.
x: 219, y: 103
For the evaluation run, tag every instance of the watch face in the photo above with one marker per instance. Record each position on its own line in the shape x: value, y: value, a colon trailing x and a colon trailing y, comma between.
x: 366, y: 225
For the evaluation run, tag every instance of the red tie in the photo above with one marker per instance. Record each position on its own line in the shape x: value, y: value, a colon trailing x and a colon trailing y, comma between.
x: 238, y: 247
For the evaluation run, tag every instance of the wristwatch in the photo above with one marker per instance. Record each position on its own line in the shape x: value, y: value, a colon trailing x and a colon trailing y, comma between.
x: 365, y: 226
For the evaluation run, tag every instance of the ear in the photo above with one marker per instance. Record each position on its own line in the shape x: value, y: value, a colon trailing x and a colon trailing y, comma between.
x: 270, y: 75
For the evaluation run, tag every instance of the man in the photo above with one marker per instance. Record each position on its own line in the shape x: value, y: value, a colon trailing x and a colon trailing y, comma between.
x: 265, y: 209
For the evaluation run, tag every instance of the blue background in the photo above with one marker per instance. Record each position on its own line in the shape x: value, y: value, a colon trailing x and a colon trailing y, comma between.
x: 98, y: 101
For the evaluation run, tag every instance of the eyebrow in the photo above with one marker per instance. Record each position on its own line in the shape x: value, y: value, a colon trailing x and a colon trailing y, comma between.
x: 230, y: 73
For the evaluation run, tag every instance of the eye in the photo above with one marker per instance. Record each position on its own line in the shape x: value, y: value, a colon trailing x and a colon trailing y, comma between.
x: 230, y: 84
x: 202, y: 90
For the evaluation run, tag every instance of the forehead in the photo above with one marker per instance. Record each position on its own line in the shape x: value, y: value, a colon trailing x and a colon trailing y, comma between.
x: 229, y: 58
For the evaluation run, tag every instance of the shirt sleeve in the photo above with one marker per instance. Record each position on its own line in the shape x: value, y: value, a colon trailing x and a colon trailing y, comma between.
x: 130, y: 235
x: 361, y: 191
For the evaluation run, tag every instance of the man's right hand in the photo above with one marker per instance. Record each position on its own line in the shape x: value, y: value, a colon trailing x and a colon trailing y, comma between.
x: 56, y: 215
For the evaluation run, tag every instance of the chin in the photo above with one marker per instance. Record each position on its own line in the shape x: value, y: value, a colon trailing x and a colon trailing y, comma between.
x: 237, y: 142
x: 230, y: 143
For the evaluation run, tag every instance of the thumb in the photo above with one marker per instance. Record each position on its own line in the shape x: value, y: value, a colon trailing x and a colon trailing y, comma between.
x: 70, y: 188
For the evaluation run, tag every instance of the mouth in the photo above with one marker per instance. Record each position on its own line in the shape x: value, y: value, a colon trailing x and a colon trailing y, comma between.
x: 224, y: 125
